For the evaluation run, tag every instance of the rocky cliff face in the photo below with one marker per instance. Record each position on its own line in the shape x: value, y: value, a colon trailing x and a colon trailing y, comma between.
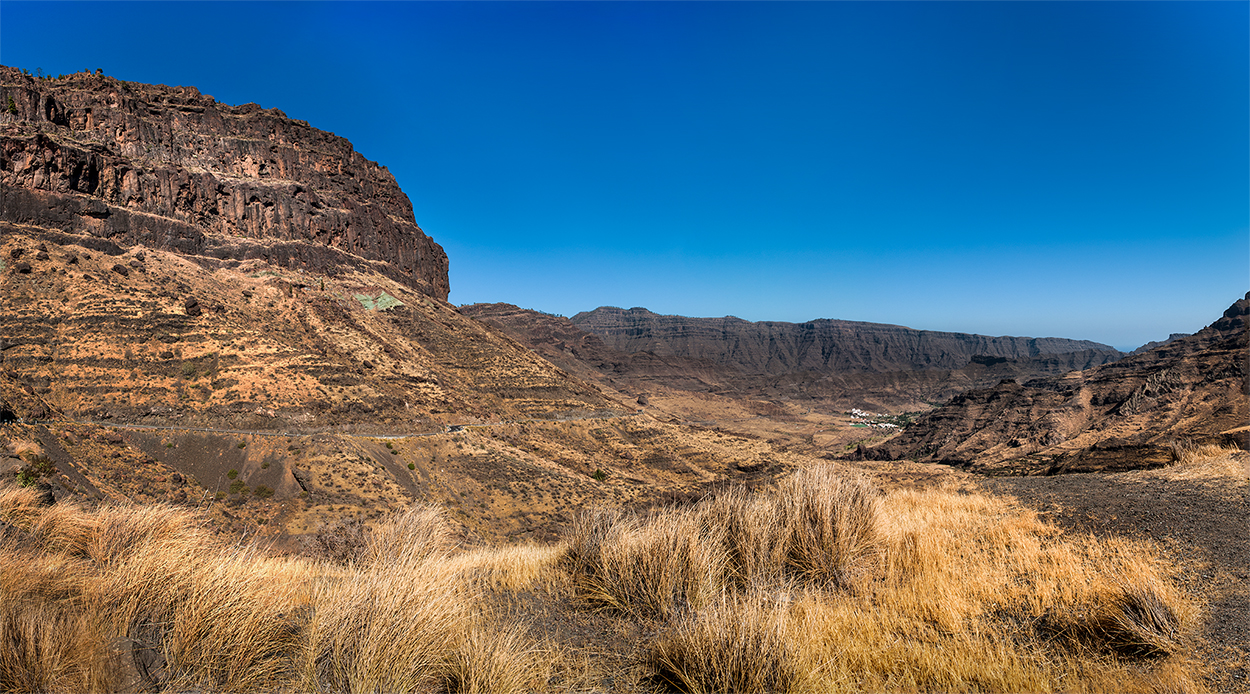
x: 1123, y: 415
x: 172, y: 169
x: 828, y: 346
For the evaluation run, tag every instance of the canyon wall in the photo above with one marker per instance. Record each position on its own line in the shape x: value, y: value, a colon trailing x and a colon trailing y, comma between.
x: 829, y: 346
x: 172, y: 169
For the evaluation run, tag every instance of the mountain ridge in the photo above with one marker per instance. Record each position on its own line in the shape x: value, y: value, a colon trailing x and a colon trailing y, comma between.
x: 824, y: 345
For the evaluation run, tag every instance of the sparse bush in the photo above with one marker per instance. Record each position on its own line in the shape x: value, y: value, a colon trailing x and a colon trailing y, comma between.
x: 263, y: 492
x: 36, y: 468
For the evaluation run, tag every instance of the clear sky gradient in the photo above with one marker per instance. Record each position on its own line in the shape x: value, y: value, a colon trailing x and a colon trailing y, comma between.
x: 1049, y: 169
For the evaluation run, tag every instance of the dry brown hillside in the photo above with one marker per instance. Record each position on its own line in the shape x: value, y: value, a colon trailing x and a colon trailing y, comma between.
x: 1120, y: 416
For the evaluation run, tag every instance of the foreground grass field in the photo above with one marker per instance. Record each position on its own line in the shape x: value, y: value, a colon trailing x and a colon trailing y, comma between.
x: 822, y: 583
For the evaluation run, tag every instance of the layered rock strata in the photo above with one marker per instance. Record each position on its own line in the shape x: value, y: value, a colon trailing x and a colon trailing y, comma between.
x: 827, y: 346
x: 1133, y: 413
x: 172, y: 169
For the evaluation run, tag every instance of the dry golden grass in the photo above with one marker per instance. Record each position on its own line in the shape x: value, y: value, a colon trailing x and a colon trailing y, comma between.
x: 820, y: 584
x: 1203, y: 463
x: 135, y: 597
x: 825, y: 585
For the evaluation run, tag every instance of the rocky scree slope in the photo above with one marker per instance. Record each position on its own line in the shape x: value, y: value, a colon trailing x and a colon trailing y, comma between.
x: 829, y: 346
x: 1117, y: 416
x: 172, y: 169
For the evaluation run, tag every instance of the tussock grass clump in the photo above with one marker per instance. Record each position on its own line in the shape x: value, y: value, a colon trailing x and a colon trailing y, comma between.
x: 130, y: 598
x: 817, y: 528
x: 185, y: 610
x: 737, y: 643
x: 826, y: 584
x: 493, y: 656
x: 655, y: 565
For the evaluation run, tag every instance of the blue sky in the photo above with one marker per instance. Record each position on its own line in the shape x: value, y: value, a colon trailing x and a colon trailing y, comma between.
x: 1068, y: 169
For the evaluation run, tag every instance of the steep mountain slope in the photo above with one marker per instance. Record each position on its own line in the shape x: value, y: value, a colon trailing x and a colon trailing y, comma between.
x: 1117, y: 416
x: 196, y: 341
x: 215, y: 305
x: 828, y: 346
x: 172, y: 169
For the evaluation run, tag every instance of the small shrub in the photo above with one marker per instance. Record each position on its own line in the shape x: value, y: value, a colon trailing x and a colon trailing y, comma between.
x: 264, y: 465
x: 239, y: 487
x: 599, y: 475
x: 30, y: 473
x: 188, y: 371
x: 412, y: 466
x: 219, y: 496
x: 263, y: 492
x: 241, y: 445
x: 232, y: 474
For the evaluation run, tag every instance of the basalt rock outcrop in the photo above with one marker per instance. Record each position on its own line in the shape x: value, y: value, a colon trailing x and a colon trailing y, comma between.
x: 169, y: 168
x: 1129, y: 414
x: 826, y: 346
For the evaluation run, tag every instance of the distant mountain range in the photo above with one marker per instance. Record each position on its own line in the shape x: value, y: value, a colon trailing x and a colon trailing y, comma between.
x: 826, y: 346
x: 833, y: 364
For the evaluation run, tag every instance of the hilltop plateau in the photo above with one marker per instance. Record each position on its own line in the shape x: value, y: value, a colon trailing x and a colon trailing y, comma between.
x: 723, y: 388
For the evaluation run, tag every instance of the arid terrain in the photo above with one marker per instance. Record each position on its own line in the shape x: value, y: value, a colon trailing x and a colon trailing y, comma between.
x: 246, y: 444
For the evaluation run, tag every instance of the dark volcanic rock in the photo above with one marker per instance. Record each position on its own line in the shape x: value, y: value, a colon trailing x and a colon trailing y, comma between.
x: 1118, y: 416
x: 121, y: 269
x: 192, y: 306
x: 827, y: 346
x: 170, y: 168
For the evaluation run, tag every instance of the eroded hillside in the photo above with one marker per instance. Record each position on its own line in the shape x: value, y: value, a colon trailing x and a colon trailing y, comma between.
x: 1117, y: 416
